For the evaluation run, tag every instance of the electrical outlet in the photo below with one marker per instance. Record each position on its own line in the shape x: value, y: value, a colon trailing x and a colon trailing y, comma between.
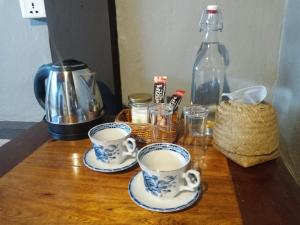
x: 33, y: 8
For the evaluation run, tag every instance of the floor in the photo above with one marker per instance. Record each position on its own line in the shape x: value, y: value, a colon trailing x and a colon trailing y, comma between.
x: 11, y: 129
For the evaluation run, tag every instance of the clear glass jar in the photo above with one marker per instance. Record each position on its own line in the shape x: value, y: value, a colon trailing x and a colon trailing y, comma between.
x: 161, y: 120
x: 139, y: 106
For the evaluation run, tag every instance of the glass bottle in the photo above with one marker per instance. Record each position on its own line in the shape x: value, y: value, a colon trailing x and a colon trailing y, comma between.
x: 209, y: 66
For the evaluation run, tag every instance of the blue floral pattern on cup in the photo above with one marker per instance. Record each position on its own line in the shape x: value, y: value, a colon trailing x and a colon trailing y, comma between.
x: 159, y: 187
x: 167, y: 182
x: 113, y: 150
x: 106, y: 154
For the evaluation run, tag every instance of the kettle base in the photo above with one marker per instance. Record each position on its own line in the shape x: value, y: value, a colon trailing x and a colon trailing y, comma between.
x: 72, y: 131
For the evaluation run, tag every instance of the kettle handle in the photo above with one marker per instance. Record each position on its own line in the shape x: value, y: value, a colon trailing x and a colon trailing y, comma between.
x: 39, y: 83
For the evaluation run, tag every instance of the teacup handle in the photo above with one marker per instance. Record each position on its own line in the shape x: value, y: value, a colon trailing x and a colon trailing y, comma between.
x: 193, y: 180
x: 130, y: 145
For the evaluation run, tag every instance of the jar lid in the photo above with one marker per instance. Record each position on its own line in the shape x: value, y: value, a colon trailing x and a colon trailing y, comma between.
x: 140, y: 97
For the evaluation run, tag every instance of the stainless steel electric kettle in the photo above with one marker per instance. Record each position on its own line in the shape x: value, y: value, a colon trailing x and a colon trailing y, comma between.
x: 70, y: 96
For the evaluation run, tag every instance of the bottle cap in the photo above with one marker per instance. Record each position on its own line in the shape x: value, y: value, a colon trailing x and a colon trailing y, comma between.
x: 212, y: 9
x: 211, y: 19
x: 140, y: 98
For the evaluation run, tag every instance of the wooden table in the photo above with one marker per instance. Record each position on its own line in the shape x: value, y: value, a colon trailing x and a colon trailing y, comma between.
x: 45, y: 182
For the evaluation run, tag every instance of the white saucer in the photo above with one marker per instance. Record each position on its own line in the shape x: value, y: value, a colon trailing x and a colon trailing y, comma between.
x: 91, y: 162
x: 145, y: 200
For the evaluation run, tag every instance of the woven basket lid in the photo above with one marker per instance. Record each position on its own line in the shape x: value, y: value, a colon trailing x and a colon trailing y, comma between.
x: 246, y: 129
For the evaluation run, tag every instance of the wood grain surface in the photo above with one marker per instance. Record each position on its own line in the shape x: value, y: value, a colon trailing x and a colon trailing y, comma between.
x: 52, y: 186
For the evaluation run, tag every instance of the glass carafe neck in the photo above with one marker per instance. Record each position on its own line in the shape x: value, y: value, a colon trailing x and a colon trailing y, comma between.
x: 210, y: 37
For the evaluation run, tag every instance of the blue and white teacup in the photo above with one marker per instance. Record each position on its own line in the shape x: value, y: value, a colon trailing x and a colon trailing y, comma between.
x: 112, y: 142
x: 164, y: 168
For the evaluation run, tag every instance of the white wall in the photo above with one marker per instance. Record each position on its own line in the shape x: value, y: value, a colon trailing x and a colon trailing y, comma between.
x: 286, y: 94
x: 161, y: 37
x: 155, y: 37
x: 24, y: 46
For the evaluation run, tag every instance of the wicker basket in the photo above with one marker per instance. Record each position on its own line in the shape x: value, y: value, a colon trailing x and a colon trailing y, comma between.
x: 247, y: 134
x: 142, y: 132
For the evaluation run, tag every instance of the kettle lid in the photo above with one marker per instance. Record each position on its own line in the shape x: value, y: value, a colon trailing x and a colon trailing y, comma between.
x: 69, y: 65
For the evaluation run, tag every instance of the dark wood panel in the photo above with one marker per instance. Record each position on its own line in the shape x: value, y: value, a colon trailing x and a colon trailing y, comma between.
x: 16, y: 124
x: 267, y: 194
x: 19, y: 148
x: 10, y: 133
x: 86, y: 30
x: 115, y: 53
x: 11, y: 129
